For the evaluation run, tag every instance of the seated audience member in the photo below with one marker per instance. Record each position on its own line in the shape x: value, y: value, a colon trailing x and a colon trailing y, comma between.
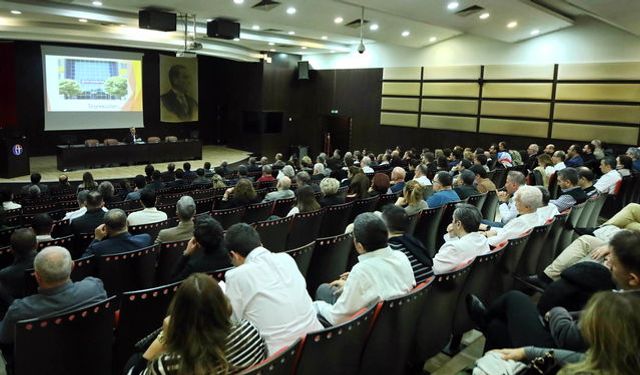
x: 93, y: 213
x: 266, y: 174
x: 546, y: 211
x: 430, y: 162
x: 624, y: 165
x: 588, y: 157
x: 549, y: 149
x: 179, y: 180
x: 380, y: 273
x: 148, y: 171
x: 318, y: 173
x: 634, y: 154
x: 585, y: 181
x: 443, y: 191
x: 571, y: 194
x: 532, y: 156
x: 198, y: 336
x: 149, y: 214
x: 88, y: 183
x: 34, y: 193
x: 189, y: 175
x: 574, y: 159
x: 24, y: 246
x: 358, y: 187
x: 466, y: 189
x: 170, y: 174
x: 305, y: 201
x: 412, y: 198
x: 156, y: 182
x: 365, y: 164
x: 140, y: 183
x: 279, y: 160
x: 421, y: 175
x: 303, y: 179
x: 107, y: 191
x: 481, y: 160
x: 7, y: 200
x: 223, y: 169
x: 42, y: 224
x: 286, y: 171
x: 599, y: 149
x: 283, y: 191
x: 507, y: 205
x: 200, y: 178
x: 397, y: 222
x: 463, y: 242
x: 208, y: 173
x: 545, y: 168
x: 330, y: 196
x: 56, y: 292
x: 185, y: 211
x: 205, y: 252
x: 527, y: 200
x: 113, y: 236
x: 267, y: 289
x: 243, y: 195
x: 610, y: 176
x: 483, y: 184
x: 558, y: 160
x: 398, y: 175
x: 379, y: 185
x: 253, y: 165
x: 35, y: 181
x: 123, y: 191
x: 62, y: 187
x: 352, y: 170
x: 613, y: 343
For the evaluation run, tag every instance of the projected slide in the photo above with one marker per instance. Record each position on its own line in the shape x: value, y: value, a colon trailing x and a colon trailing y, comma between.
x: 91, y: 88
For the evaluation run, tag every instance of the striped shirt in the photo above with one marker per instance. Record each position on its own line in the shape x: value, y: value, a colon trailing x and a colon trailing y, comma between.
x: 420, y: 271
x: 244, y: 348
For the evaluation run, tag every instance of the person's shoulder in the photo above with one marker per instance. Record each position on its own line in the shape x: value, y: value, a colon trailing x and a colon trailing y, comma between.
x: 142, y: 237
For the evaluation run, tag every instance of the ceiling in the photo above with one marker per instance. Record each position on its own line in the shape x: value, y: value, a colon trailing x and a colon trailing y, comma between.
x: 312, y: 28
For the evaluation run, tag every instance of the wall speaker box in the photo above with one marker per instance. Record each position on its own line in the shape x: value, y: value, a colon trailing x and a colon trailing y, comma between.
x: 223, y: 29
x: 303, y: 70
x: 156, y: 20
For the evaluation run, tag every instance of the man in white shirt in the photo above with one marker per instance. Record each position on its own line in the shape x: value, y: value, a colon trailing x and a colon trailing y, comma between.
x: 610, y: 176
x: 507, y: 206
x: 421, y: 175
x: 558, y: 160
x: 267, y: 289
x: 365, y: 164
x: 82, y: 203
x: 150, y: 213
x: 380, y: 273
x: 463, y: 242
x: 527, y: 199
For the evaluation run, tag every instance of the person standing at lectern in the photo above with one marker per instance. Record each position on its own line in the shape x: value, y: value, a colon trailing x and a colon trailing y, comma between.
x: 177, y: 101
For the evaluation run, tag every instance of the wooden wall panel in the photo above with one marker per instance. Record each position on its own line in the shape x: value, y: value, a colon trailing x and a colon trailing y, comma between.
x: 467, y: 107
x: 401, y: 73
x: 582, y: 132
x: 454, y: 123
x: 465, y: 90
x: 401, y: 88
x: 520, y: 71
x: 600, y: 71
x: 399, y: 119
x: 517, y: 90
x: 599, y: 92
x: 515, y: 109
x: 401, y: 104
x: 597, y: 112
x: 514, y: 127
x: 452, y: 72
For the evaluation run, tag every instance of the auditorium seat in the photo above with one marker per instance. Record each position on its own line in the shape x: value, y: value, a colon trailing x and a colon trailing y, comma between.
x: 531, y: 256
x: 81, y: 242
x: 304, y: 228
x: 413, y: 221
x: 504, y: 280
x: 171, y: 139
x: 61, y: 228
x: 168, y: 257
x: 77, y: 342
x: 111, y: 142
x: 204, y: 205
x: 302, y: 256
x: 66, y: 242
x: 490, y: 206
x: 153, y: 140
x: 597, y: 208
x: 330, y: 259
x: 335, y: 219
x: 445, y: 220
x: 282, y: 206
x: 273, y: 233
x: 257, y: 212
x: 6, y: 256
x: 426, y: 228
x: 282, y: 362
x: 91, y: 142
x: 229, y: 216
x: 567, y: 234
x: 386, y: 199
x: 477, y: 200
x: 152, y: 229
x: 219, y: 274
x: 363, y: 205
x: 131, y: 270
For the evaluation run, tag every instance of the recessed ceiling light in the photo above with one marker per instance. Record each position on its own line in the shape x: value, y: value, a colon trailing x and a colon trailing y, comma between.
x: 452, y: 5
x: 291, y: 10
x: 16, y: 12
x: 374, y: 27
x: 291, y: 33
x: 332, y: 51
x: 535, y: 32
x: 433, y: 39
x: 272, y: 44
x: 338, y: 20
x: 236, y: 39
x: 238, y: 1
x: 484, y: 16
x: 324, y: 37
x: 83, y: 20
x: 406, y: 33
x: 255, y: 27
x: 209, y: 19
x: 272, y: 50
x: 97, y: 3
x: 512, y: 24
x: 303, y: 47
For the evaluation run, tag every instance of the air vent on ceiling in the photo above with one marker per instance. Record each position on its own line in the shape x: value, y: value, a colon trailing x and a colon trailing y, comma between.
x: 356, y: 23
x: 468, y: 11
x: 266, y: 5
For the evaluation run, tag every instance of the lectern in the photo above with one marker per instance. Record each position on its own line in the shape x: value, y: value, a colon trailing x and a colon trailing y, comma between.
x: 14, y: 157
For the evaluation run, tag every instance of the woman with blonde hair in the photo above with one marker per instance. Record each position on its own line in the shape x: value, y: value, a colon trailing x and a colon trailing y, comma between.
x: 545, y: 167
x: 412, y: 198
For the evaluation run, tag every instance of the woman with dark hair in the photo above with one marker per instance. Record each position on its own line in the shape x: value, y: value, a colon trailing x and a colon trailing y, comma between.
x: 243, y: 194
x: 305, y: 201
x: 442, y: 164
x: 380, y: 184
x: 88, y: 183
x: 358, y: 187
x: 197, y: 336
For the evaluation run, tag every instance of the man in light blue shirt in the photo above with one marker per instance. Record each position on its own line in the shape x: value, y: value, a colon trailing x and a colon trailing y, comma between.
x: 443, y: 191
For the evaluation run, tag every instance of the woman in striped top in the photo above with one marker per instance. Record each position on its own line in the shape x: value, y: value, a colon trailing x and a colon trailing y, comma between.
x: 198, y: 337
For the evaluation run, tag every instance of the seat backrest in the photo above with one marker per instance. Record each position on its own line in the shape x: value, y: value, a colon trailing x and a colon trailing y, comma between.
x: 152, y: 229
x: 282, y: 362
x: 329, y: 260
x: 229, y: 216
x: 141, y: 312
x: 363, y: 205
x: 169, y: 209
x: 392, y: 335
x: 81, y: 242
x: 282, y: 206
x: 413, y: 221
x: 257, y: 212
x: 550, y: 248
x: 304, y: 228
x: 131, y: 270
x: 83, y: 267
x: 168, y: 257
x: 477, y: 200
x: 302, y: 256
x: 204, y: 205
x: 537, y: 178
x: 337, y: 349
x: 91, y: 142
x: 499, y: 177
x: 65, y: 242
x: 335, y: 219
x: 273, y: 233
x: 426, y: 228
x: 219, y: 274
x: 447, y: 217
x: 76, y: 342
x: 6, y: 256
x: 597, y: 207
x: 385, y: 199
x: 585, y: 216
x: 567, y: 234
x: 490, y: 206
x: 531, y: 255
x: 553, y: 185
x: 153, y: 140
x: 61, y: 228
x: 509, y: 262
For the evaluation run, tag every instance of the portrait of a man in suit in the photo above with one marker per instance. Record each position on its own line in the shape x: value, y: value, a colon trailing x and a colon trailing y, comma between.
x: 177, y: 105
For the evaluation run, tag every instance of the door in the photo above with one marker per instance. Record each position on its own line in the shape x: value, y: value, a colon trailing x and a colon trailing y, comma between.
x: 336, y: 133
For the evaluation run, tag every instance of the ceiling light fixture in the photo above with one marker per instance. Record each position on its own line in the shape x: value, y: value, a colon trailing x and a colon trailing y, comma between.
x: 433, y: 39
x: 272, y: 44
x: 324, y: 37
x: 338, y: 20
x: 374, y: 27
x: 209, y: 19
x: 291, y: 10
x: 484, y: 16
x: 303, y: 47
x: 535, y: 32
x: 16, y: 12
x: 83, y: 20
x: 332, y: 51
x: 361, y: 47
x: 512, y: 24
x: 238, y: 1
x: 453, y: 5
x: 236, y: 39
x: 97, y: 3
x: 406, y: 33
x: 255, y: 27
x: 291, y: 33
x: 272, y: 50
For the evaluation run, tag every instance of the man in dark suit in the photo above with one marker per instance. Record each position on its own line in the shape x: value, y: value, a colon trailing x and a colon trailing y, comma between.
x: 23, y: 245
x: 94, y: 216
x: 179, y: 181
x: 201, y: 179
x: 169, y: 175
x: 156, y: 181
x: 35, y: 180
x: 62, y: 186
x: 189, y: 175
x: 113, y: 236
x: 177, y: 100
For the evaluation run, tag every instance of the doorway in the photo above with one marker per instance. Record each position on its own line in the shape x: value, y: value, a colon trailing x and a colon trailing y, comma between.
x: 336, y: 133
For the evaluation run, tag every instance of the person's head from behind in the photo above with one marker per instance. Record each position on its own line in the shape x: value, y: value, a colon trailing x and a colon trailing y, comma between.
x: 329, y: 186
x: 413, y: 192
x: 207, y: 165
x: 396, y: 219
x: 369, y: 233
x: 359, y: 186
x: 148, y: 170
x: 94, y: 200
x: 185, y: 208
x: 23, y: 241
x: 544, y: 160
x: 34, y: 192
x: 171, y: 167
x: 302, y: 178
x: 288, y: 171
x: 633, y: 153
x: 139, y: 181
x: 179, y: 174
x: 567, y: 178
x: 106, y: 189
x: 398, y: 174
x: 306, y: 200
x: 318, y: 168
x: 88, y: 181
x: 442, y: 181
x: 468, y: 177
x: 241, y: 239
x: 42, y: 224
x: 266, y: 170
x: 421, y: 170
x: 607, y: 164
x: 200, y: 172
x: 209, y: 234
x: 115, y: 222
x: 52, y: 266
x: 609, y: 325
x: 35, y: 178
x: 624, y: 162
x: 179, y: 78
x: 585, y: 177
x: 466, y: 219
x: 284, y: 183
x: 199, y: 326
x: 527, y: 199
x: 186, y: 166
x: 380, y: 183
x: 558, y: 157
x: 478, y: 171
x: 148, y: 198
x: 244, y: 190
x: 514, y: 180
x: 63, y: 179
x: 625, y: 259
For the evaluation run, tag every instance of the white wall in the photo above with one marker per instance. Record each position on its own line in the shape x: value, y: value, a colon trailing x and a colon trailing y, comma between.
x: 588, y: 40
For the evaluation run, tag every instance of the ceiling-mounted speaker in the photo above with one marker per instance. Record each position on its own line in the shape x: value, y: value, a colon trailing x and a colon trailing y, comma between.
x: 303, y: 70
x: 156, y: 20
x: 223, y: 29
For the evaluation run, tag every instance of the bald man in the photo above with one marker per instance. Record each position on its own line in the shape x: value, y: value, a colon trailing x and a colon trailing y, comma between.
x: 113, y: 236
